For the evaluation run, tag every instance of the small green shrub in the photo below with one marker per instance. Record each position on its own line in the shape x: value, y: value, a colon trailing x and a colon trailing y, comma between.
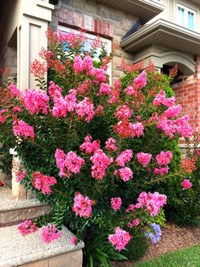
x: 137, y: 247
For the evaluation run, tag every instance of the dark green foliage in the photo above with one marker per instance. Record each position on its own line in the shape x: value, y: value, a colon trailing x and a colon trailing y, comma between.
x: 137, y: 247
x: 100, y: 251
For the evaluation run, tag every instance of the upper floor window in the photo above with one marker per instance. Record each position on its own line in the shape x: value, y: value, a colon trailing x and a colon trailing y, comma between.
x: 186, y: 17
x: 87, y: 45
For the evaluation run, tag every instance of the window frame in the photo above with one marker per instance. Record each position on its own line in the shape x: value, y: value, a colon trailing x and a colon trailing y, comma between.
x: 186, y: 12
x: 93, y: 36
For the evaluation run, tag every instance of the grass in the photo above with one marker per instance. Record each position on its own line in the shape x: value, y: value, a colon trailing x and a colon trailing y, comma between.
x: 180, y: 258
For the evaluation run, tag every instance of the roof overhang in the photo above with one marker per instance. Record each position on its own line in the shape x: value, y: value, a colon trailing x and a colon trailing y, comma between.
x: 163, y: 33
x: 143, y: 9
x: 197, y: 2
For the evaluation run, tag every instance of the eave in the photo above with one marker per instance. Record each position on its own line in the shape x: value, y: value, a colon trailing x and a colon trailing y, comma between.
x: 145, y: 10
x: 163, y: 33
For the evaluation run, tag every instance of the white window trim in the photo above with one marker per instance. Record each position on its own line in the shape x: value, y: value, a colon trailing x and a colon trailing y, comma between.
x: 104, y: 40
x: 186, y: 10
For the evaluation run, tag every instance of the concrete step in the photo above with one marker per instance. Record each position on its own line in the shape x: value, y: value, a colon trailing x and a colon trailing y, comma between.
x: 12, y: 211
x: 31, y: 251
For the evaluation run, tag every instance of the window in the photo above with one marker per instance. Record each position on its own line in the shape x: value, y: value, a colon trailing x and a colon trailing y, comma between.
x: 91, y: 38
x: 186, y: 17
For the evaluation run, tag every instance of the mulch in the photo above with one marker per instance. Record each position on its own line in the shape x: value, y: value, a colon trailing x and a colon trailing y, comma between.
x: 174, y: 237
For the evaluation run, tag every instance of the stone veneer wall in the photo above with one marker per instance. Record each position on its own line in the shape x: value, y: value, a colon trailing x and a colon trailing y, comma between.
x: 99, y: 20
x: 187, y: 94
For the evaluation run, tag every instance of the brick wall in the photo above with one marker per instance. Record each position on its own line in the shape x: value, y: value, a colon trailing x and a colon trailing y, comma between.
x: 97, y: 19
x: 187, y: 94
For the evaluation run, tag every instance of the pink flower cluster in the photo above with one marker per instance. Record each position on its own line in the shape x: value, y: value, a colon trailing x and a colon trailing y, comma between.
x: 144, y: 158
x: 126, y: 129
x: 23, y: 129
x: 27, y: 227
x: 120, y: 239
x: 153, y: 202
x: 14, y: 90
x: 161, y: 99
x: 73, y: 240
x: 116, y: 203
x: 124, y: 157
x: 50, y: 233
x: 43, y: 182
x: 123, y: 112
x: 20, y: 176
x: 69, y: 163
x: 80, y: 65
x: 140, y: 81
x: 125, y: 174
x: 173, y: 111
x: 101, y: 162
x: 85, y: 109
x: 186, y: 184
x: 36, y: 101
x: 64, y: 105
x: 104, y: 89
x: 90, y: 147
x: 164, y: 158
x: 82, y: 205
x: 161, y: 171
x: 54, y: 90
x: 133, y: 223
x: 180, y: 125
x: 110, y: 144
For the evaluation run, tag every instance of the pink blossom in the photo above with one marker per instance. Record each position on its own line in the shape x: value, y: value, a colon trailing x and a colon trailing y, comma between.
x: 54, y: 90
x: 183, y: 127
x: 140, y: 81
x: 161, y: 171
x: 82, y: 205
x: 20, y: 176
x: 50, y: 233
x: 14, y: 90
x: 153, y: 202
x: 104, y: 89
x: 173, y: 111
x: 161, y: 99
x: 73, y: 240
x: 131, y: 90
x: 123, y: 112
x: 101, y: 162
x: 43, y: 182
x: 85, y: 109
x: 144, y: 158
x: 69, y: 163
x: 110, y: 144
x: 120, y: 239
x: 99, y: 110
x: 167, y: 126
x: 21, y: 128
x: 134, y: 223
x: 186, y: 184
x: 87, y: 62
x: 164, y: 158
x: 27, y: 227
x: 124, y: 157
x: 36, y: 101
x: 78, y: 64
x: 90, y: 147
x: 116, y: 203
x: 125, y: 174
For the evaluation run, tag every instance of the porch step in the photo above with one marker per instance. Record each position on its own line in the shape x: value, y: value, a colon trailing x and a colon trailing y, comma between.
x: 31, y: 251
x: 12, y: 211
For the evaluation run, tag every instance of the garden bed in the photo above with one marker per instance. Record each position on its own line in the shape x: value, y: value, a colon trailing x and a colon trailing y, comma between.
x: 173, y: 238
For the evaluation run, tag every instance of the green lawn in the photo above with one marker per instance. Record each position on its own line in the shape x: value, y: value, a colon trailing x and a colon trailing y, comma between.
x: 180, y: 258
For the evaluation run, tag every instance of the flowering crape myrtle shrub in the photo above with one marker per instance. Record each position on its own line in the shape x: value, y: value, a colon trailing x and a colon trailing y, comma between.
x: 90, y: 150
